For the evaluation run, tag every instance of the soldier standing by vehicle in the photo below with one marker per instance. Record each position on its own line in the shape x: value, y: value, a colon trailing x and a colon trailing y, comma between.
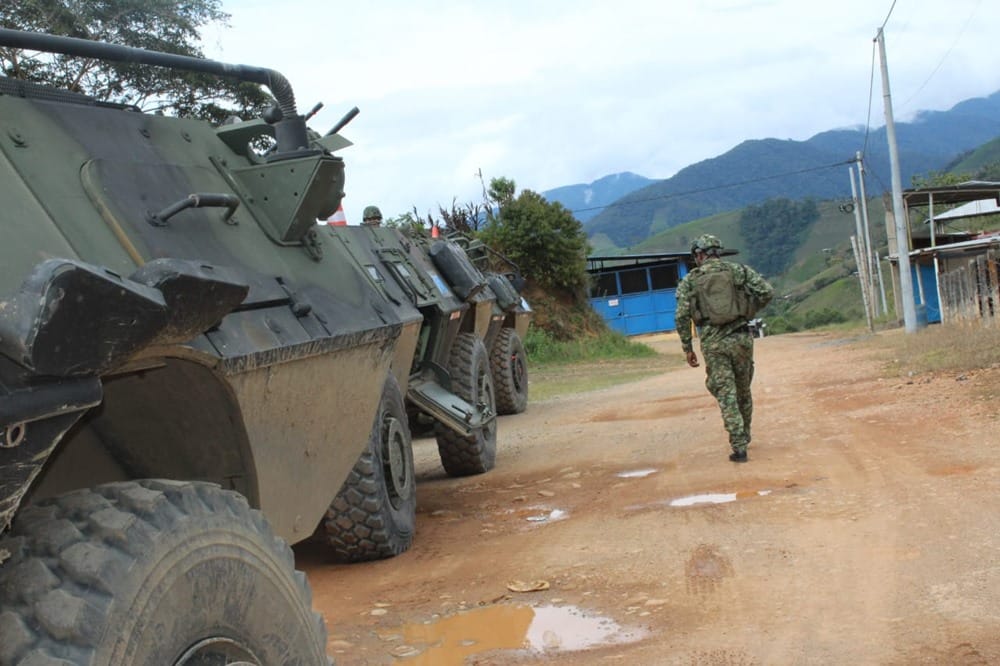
x: 372, y: 216
x: 720, y: 297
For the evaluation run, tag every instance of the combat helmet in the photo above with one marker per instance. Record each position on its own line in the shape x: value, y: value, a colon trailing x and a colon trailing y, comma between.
x: 706, y: 243
x: 372, y: 215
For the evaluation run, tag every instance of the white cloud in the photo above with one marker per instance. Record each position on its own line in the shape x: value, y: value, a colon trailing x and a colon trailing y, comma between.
x: 566, y: 91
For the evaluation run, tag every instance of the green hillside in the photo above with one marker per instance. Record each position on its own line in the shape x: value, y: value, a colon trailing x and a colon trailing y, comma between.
x: 983, y: 163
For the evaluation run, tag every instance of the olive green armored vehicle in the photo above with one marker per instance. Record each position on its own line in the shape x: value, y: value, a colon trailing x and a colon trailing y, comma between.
x: 194, y: 374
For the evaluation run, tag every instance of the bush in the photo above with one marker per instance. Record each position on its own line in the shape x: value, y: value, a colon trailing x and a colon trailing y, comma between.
x: 778, y: 325
x: 817, y: 318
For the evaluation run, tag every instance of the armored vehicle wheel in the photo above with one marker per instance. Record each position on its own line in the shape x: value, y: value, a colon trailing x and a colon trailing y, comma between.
x: 153, y: 572
x: 374, y: 515
x: 471, y: 381
x: 509, y: 364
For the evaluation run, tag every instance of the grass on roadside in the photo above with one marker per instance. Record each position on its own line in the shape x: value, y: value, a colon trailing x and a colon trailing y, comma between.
x: 559, y: 368
x: 942, y: 348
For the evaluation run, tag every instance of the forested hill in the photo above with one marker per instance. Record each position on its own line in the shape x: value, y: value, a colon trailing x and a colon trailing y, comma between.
x: 757, y: 170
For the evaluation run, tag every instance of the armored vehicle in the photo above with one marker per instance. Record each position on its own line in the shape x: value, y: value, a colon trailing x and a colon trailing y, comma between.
x: 194, y: 374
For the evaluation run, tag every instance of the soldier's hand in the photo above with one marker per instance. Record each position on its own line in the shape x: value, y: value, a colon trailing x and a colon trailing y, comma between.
x: 692, y: 359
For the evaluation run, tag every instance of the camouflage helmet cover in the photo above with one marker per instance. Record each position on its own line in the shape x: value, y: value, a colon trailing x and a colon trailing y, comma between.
x: 706, y: 243
x: 371, y: 213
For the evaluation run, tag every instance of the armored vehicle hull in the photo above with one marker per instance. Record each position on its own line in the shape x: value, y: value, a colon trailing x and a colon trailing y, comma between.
x: 193, y: 373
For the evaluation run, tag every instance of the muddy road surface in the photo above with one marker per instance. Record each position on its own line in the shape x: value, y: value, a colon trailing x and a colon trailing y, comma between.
x: 864, y: 530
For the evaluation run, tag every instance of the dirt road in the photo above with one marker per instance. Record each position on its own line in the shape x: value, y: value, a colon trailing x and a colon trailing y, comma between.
x: 864, y: 530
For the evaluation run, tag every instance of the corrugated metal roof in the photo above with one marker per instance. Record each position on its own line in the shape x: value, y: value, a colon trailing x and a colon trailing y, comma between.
x: 971, y: 209
x: 951, y: 194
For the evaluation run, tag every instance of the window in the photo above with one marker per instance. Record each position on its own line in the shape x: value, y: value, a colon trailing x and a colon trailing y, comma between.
x: 605, y: 284
x: 664, y: 277
x: 634, y: 281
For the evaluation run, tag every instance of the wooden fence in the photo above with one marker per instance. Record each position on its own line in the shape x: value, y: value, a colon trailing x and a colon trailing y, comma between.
x: 972, y: 293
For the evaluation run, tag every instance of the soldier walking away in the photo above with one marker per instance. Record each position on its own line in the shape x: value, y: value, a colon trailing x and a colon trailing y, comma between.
x: 720, y: 297
x: 372, y: 216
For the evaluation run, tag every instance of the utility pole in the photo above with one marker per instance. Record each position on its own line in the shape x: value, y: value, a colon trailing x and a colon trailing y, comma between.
x: 868, y: 235
x: 902, y: 234
x: 862, y: 269
x: 860, y: 258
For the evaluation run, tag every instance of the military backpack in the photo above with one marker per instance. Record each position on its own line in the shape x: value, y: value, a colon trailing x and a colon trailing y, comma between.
x: 720, y: 298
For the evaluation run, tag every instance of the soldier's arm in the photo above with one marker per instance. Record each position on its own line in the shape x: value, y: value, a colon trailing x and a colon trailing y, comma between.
x: 682, y: 316
x: 758, y: 287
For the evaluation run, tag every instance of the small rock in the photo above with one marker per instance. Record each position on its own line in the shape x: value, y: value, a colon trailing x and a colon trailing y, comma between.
x: 403, y: 651
x: 378, y: 611
x: 528, y: 586
x: 546, y: 493
x: 340, y: 645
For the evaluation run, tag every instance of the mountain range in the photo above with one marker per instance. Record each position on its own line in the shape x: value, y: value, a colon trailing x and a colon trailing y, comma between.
x: 622, y: 210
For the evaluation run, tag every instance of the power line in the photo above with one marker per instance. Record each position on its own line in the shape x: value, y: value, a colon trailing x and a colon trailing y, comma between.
x: 675, y: 195
x: 871, y: 95
x: 947, y: 53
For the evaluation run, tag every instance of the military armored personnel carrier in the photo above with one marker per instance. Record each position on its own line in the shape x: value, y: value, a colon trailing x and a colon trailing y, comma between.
x: 194, y: 374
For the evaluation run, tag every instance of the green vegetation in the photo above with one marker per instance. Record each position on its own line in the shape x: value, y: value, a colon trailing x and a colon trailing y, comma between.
x: 542, y: 238
x: 543, y: 348
x: 774, y: 230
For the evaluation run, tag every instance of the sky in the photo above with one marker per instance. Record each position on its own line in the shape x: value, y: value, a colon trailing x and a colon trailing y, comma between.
x: 560, y: 92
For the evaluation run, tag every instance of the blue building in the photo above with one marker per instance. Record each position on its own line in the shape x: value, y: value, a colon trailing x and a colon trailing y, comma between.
x: 637, y: 293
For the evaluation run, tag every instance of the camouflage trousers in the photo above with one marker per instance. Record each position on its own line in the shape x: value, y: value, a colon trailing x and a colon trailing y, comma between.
x: 729, y: 370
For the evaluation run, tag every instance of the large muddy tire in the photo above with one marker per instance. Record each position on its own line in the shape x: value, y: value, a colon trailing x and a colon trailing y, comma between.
x: 374, y: 515
x: 509, y: 364
x: 472, y: 381
x: 153, y: 572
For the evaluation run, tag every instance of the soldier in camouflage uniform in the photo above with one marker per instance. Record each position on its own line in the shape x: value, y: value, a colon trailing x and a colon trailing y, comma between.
x: 727, y: 348
x: 372, y: 216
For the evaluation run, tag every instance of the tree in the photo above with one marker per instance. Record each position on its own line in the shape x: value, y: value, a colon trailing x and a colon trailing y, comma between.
x: 939, y: 179
x: 773, y: 231
x: 501, y: 191
x: 541, y: 237
x: 171, y: 26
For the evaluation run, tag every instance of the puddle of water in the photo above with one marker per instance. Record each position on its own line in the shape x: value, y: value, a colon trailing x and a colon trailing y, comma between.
x: 705, y: 498
x: 636, y: 473
x: 449, y: 641
x: 551, y: 516
x: 716, y: 498
x: 539, y: 514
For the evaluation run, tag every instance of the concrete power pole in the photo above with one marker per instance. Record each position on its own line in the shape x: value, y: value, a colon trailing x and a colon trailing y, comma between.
x: 902, y: 234
x: 860, y: 249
